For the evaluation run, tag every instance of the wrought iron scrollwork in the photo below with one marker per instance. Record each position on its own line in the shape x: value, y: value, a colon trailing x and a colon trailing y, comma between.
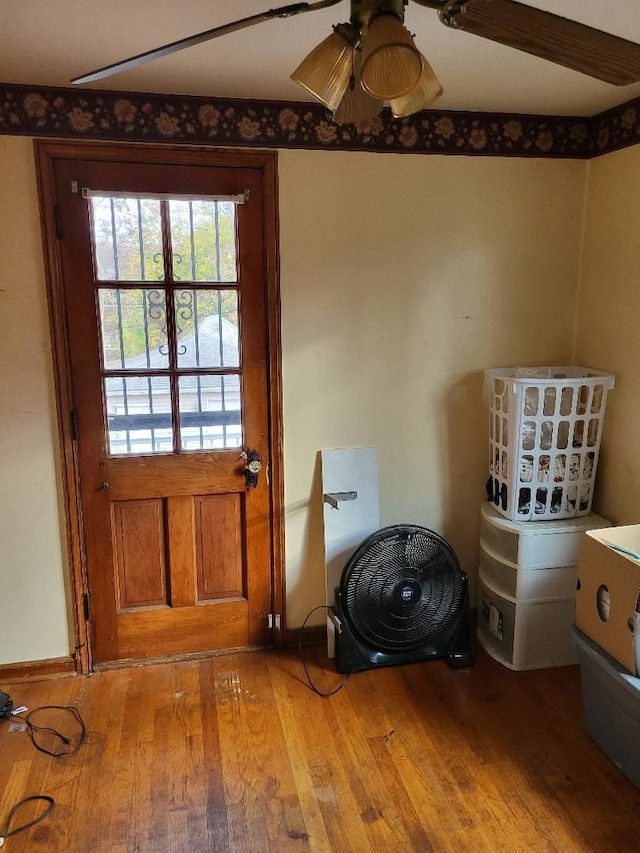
x: 184, y: 307
x: 177, y: 259
x: 184, y: 312
x: 158, y: 259
x: 157, y: 313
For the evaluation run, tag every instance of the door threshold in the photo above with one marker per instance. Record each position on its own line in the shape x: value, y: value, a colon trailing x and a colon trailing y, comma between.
x: 181, y: 658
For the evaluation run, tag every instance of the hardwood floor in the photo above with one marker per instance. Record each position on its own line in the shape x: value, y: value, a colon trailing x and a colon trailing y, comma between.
x: 236, y: 753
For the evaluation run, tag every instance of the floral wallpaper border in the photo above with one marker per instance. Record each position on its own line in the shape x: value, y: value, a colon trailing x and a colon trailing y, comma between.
x: 134, y: 117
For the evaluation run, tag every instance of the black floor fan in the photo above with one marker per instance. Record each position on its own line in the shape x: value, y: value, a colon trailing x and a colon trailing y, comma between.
x: 402, y: 598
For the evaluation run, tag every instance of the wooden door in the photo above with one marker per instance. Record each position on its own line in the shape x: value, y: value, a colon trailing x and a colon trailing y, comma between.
x: 163, y: 271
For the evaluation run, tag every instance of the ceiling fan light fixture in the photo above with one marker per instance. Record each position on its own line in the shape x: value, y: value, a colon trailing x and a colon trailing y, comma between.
x: 391, y: 63
x: 325, y: 72
x: 356, y: 104
x: 419, y: 98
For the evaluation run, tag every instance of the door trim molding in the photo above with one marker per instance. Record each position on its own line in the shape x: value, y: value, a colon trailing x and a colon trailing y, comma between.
x: 46, y: 153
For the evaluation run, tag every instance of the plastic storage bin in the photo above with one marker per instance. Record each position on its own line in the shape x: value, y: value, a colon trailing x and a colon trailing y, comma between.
x: 555, y: 543
x: 611, y: 705
x: 528, y: 583
x: 545, y: 428
x: 525, y: 634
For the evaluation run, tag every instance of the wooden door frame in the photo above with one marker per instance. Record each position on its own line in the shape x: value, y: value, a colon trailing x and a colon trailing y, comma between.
x: 46, y: 152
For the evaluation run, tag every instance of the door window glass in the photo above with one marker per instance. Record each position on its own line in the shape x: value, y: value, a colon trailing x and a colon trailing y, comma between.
x: 203, y: 240
x: 138, y: 414
x: 209, y: 412
x: 207, y: 328
x: 170, y: 354
x: 127, y: 239
x: 133, y: 328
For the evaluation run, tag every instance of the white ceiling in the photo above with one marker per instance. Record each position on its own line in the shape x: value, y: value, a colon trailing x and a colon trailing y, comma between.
x: 47, y: 42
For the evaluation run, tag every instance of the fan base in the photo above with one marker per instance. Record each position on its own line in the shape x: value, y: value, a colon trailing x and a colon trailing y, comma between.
x: 453, y: 644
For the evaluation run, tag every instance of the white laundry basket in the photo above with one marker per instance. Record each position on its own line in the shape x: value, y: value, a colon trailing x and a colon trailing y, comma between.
x: 545, y: 426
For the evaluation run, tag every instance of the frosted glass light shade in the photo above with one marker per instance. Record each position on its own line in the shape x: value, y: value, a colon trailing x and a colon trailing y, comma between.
x: 391, y: 63
x: 325, y: 72
x: 421, y: 96
x: 356, y: 104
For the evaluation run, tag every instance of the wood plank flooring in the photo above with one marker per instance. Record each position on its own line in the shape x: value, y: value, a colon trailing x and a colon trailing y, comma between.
x: 236, y: 753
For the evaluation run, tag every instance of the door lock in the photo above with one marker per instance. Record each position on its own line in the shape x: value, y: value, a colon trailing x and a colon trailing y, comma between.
x: 253, y: 466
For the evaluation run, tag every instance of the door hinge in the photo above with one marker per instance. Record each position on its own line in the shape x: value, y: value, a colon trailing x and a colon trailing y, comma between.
x: 87, y: 607
x: 74, y: 187
x: 274, y: 621
x: 74, y: 424
x: 58, y: 217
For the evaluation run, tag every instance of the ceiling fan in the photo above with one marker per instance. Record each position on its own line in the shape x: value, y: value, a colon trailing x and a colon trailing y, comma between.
x: 371, y: 59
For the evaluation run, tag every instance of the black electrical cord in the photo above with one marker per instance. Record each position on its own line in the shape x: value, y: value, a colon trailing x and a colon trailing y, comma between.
x: 7, y: 832
x: 304, y: 663
x: 73, y: 743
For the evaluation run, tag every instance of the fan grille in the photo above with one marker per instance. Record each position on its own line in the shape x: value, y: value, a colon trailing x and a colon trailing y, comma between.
x: 402, y: 588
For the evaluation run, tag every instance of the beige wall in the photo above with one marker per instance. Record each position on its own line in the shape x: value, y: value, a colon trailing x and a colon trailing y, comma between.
x: 403, y: 278
x: 32, y: 597
x: 608, y: 324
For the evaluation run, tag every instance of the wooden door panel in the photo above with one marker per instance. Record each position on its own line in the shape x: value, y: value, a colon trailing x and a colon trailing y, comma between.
x: 219, y: 553
x: 220, y: 625
x: 139, y: 545
x: 181, y: 536
x: 161, y: 476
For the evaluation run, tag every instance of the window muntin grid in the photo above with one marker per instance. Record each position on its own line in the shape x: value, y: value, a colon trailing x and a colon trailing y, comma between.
x: 170, y: 354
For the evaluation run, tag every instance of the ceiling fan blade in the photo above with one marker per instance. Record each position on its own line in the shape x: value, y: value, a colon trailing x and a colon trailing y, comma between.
x: 589, y: 51
x: 207, y: 35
